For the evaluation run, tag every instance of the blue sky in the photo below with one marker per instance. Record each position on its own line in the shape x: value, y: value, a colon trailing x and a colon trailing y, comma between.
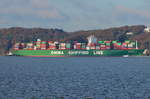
x: 73, y: 15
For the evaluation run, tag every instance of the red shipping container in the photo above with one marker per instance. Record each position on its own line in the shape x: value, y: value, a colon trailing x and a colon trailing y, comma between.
x: 29, y: 48
x: 124, y: 43
x: 77, y: 43
x: 50, y: 41
x: 107, y: 41
x: 93, y: 48
x: 92, y: 44
x: 103, y: 48
x: 52, y: 47
x: 16, y: 48
x: 43, y: 44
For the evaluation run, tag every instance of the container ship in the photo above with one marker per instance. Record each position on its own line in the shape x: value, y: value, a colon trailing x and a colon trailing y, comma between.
x: 65, y: 49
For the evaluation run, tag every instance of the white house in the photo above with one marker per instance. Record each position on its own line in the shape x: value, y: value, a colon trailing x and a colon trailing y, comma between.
x: 147, y: 29
x: 129, y: 33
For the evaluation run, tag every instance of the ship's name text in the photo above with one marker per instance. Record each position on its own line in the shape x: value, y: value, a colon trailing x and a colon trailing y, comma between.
x: 57, y: 52
x: 98, y: 52
x: 78, y: 52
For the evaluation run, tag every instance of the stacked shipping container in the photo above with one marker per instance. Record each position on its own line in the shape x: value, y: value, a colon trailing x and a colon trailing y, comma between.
x: 43, y: 45
x: 51, y: 45
x: 16, y: 46
x: 62, y: 46
x: 29, y: 46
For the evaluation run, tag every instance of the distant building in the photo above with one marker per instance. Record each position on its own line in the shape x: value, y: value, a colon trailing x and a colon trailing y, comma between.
x: 129, y: 33
x: 147, y: 29
x: 39, y: 40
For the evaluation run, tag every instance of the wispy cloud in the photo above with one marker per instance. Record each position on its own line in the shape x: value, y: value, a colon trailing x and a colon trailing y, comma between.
x: 143, y: 13
x: 74, y: 14
x: 40, y: 4
x: 46, y: 14
x: 3, y: 22
x: 34, y: 8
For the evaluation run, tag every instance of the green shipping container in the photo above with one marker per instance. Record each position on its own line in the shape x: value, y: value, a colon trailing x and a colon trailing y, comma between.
x: 43, y: 42
x: 108, y: 44
x: 68, y: 45
x: 114, y: 41
x: 119, y: 43
x: 100, y: 42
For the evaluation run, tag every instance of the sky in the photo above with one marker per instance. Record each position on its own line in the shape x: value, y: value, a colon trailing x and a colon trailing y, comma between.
x: 74, y: 15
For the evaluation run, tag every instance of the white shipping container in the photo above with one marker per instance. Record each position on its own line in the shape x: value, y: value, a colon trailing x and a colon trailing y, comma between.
x: 62, y: 48
x: 62, y: 44
x: 52, y: 44
x: 102, y: 45
x: 56, y: 42
x: 92, y: 47
x: 74, y: 46
x: 29, y: 44
x: 130, y: 45
x: 43, y: 48
x: 78, y: 44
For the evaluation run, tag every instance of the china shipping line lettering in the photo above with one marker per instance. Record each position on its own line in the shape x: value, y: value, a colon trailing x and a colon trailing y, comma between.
x: 78, y: 52
x: 98, y: 52
x: 57, y: 52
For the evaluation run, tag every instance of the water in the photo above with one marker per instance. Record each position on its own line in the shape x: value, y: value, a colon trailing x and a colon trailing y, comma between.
x: 75, y: 78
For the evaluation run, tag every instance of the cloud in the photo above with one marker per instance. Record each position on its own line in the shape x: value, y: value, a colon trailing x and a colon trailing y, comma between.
x: 85, y: 6
x: 46, y: 14
x: 33, y: 8
x: 142, y: 13
x: 73, y: 14
x: 3, y: 22
x: 40, y: 4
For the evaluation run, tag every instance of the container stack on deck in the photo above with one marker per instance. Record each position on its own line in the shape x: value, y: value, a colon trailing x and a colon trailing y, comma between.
x: 52, y: 45
x: 92, y: 46
x: 77, y: 46
x: 43, y: 45
x: 16, y: 46
x: 38, y: 45
x: 29, y: 46
x: 68, y: 45
x: 62, y: 46
x: 125, y: 45
x: 108, y: 45
x: 102, y: 45
x: 83, y: 46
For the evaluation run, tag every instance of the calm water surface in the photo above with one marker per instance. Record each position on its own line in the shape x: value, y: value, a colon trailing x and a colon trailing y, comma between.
x: 74, y: 78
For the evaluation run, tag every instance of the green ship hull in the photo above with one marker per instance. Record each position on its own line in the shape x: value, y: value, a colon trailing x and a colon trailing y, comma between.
x: 68, y: 53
